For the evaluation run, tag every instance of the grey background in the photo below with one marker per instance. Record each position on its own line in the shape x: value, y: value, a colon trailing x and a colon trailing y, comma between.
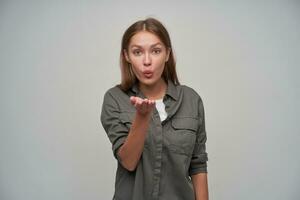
x: 59, y: 57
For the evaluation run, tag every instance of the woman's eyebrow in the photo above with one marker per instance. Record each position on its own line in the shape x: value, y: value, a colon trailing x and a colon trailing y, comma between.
x: 136, y: 45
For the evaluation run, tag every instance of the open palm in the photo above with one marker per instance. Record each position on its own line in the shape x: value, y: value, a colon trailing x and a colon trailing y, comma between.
x: 143, y: 106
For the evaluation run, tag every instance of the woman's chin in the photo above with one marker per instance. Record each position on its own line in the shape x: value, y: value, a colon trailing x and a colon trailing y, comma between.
x: 148, y: 82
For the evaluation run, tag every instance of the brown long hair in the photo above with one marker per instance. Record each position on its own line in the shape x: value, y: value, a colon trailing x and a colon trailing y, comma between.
x: 153, y: 26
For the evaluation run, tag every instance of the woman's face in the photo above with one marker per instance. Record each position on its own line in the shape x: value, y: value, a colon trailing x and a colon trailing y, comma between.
x: 147, y: 55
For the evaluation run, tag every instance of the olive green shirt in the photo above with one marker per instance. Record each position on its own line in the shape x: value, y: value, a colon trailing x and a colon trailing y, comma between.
x: 174, y: 149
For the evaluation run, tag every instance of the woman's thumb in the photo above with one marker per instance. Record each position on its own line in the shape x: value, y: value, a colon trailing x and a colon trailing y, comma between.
x: 133, y: 100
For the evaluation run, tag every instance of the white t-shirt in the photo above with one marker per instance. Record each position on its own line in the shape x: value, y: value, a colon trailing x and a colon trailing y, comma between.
x: 160, y: 106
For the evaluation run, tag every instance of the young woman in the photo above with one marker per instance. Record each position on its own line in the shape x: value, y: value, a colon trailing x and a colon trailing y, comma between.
x: 156, y: 126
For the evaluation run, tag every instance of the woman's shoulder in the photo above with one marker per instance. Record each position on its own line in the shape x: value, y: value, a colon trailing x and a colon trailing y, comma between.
x: 189, y: 91
x: 115, y: 93
x: 114, y: 90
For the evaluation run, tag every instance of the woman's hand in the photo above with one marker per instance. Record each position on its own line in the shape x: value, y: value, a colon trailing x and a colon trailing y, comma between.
x: 143, y: 106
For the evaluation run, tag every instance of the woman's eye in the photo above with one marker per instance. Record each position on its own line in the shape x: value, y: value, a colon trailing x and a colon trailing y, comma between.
x: 156, y: 51
x: 137, y: 52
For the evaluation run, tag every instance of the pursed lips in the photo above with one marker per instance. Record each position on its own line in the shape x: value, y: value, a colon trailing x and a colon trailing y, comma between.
x: 147, y: 73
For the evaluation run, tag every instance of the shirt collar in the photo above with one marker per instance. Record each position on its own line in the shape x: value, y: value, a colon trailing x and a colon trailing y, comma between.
x: 172, y: 90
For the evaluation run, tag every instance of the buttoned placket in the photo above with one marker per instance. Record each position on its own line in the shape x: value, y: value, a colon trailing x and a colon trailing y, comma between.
x: 158, y: 139
x: 171, y: 107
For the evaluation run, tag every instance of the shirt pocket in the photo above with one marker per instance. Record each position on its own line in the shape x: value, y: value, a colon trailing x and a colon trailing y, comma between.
x: 183, y: 133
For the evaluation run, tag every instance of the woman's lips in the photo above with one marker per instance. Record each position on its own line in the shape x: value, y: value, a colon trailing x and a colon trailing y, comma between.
x: 148, y: 74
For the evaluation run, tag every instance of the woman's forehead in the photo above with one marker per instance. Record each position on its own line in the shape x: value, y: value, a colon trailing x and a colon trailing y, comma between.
x: 144, y: 39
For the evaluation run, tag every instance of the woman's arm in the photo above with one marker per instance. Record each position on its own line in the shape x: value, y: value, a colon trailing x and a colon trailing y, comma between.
x: 200, y: 186
x: 130, y: 152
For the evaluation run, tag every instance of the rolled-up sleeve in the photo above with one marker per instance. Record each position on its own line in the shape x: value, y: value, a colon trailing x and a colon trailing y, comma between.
x: 199, y: 157
x: 110, y: 119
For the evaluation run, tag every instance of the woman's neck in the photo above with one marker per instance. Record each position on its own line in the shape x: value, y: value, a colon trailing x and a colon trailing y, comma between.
x: 155, y: 91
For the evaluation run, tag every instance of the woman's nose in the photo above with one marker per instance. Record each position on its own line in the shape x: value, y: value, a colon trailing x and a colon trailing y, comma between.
x: 147, y: 59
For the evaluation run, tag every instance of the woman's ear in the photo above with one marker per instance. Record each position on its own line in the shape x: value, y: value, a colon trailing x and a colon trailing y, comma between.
x: 126, y: 55
x: 168, y: 53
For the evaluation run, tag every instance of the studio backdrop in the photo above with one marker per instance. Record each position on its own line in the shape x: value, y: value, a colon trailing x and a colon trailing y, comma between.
x: 57, y: 58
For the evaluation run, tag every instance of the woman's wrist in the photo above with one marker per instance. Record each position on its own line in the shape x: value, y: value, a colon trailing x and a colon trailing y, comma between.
x: 143, y: 116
